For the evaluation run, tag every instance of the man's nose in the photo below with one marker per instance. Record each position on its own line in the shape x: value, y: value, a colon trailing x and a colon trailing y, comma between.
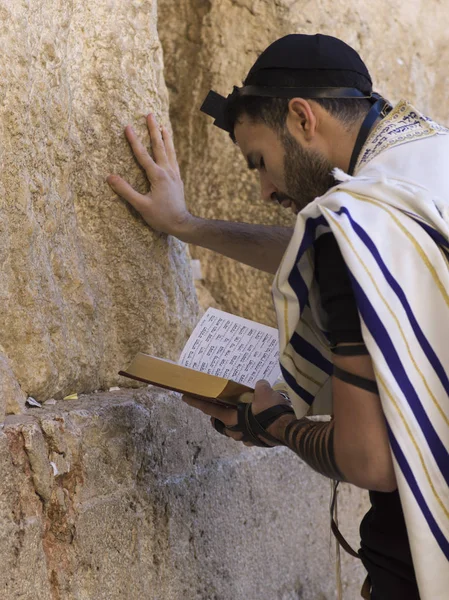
x: 267, y: 189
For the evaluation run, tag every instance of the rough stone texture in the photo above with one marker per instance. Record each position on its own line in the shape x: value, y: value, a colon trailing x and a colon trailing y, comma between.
x: 12, y: 398
x: 216, y: 42
x: 131, y: 494
x: 84, y: 284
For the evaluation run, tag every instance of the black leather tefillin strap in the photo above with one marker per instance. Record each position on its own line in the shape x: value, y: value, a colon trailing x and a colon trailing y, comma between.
x: 254, y: 426
x: 346, y: 376
x: 215, y: 105
x: 341, y: 540
x: 361, y: 382
x: 350, y: 350
x: 379, y: 109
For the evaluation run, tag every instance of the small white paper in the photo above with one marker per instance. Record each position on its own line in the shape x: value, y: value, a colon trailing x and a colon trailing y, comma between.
x: 196, y: 269
x: 32, y: 402
x: 232, y: 347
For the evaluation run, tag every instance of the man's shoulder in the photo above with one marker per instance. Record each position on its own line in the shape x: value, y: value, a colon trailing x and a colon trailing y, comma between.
x: 403, y: 125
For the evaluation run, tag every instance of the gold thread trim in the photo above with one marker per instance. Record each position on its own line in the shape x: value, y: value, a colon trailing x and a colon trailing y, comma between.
x: 444, y: 258
x: 308, y: 377
x: 383, y: 137
x: 421, y: 220
x: 315, y: 334
x: 413, y: 241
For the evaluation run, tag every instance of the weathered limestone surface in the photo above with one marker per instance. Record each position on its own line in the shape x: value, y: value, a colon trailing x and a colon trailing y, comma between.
x: 216, y: 41
x: 12, y: 398
x: 131, y: 495
x: 84, y: 284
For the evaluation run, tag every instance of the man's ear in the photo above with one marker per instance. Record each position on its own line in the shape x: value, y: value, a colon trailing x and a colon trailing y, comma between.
x: 301, y: 120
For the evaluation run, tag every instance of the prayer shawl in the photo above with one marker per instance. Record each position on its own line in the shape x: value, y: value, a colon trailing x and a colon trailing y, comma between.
x: 391, y: 222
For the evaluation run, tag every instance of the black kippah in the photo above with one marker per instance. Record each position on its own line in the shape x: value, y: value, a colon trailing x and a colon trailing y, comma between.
x: 324, y: 66
x: 301, y: 52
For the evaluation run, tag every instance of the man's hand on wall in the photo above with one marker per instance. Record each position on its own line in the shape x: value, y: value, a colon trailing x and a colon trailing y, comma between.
x: 163, y: 207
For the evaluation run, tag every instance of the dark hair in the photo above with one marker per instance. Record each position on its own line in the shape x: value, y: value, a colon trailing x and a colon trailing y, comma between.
x: 273, y: 111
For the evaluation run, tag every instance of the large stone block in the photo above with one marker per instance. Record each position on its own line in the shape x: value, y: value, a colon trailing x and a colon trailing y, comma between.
x: 131, y: 495
x: 84, y: 284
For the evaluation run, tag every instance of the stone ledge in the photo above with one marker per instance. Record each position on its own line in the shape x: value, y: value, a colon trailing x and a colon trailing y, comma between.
x: 130, y: 494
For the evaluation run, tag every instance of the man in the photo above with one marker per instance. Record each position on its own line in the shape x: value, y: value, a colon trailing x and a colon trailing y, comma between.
x: 358, y: 286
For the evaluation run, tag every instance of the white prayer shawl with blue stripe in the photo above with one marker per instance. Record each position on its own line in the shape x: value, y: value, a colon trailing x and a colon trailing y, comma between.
x: 391, y: 222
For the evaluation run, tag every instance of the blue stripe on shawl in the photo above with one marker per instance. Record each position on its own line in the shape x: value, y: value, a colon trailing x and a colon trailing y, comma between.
x: 413, y: 484
x: 301, y: 291
x: 299, y: 286
x: 383, y: 340
x: 299, y: 391
x: 295, y: 279
x: 424, y: 343
x: 310, y: 353
x: 437, y: 237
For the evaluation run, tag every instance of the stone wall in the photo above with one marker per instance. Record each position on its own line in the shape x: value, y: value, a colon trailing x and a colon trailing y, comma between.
x: 84, y: 284
x: 127, y: 496
x: 130, y: 494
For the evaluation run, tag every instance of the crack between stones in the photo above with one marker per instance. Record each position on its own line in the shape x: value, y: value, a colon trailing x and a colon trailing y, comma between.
x: 58, y: 520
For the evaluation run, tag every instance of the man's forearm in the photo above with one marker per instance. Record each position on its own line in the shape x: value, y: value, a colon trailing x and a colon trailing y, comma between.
x: 316, y: 444
x: 259, y: 246
x: 312, y: 441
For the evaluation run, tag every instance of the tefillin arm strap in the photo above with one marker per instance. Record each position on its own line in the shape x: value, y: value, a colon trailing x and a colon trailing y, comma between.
x: 361, y: 382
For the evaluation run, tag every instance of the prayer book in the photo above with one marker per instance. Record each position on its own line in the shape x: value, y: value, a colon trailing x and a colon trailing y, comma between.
x: 222, y: 361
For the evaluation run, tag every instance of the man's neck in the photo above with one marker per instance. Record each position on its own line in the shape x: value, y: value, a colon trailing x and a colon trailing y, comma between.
x: 345, y: 140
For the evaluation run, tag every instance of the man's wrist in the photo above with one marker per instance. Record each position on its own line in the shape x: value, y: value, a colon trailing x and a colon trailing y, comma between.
x: 277, y: 429
x: 187, y: 228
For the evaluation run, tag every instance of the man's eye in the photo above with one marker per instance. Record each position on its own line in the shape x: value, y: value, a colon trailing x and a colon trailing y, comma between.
x: 262, y: 164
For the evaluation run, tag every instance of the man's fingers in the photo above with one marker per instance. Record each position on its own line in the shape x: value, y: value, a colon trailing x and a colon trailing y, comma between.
x: 265, y: 397
x: 235, y: 435
x: 227, y: 415
x: 263, y: 387
x: 141, y: 153
x: 170, y: 148
x: 157, y: 143
x: 123, y: 189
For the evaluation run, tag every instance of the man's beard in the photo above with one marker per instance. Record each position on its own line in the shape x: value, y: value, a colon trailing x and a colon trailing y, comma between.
x: 307, y: 173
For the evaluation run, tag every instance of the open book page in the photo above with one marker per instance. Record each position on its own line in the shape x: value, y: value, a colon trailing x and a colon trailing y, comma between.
x: 229, y: 346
